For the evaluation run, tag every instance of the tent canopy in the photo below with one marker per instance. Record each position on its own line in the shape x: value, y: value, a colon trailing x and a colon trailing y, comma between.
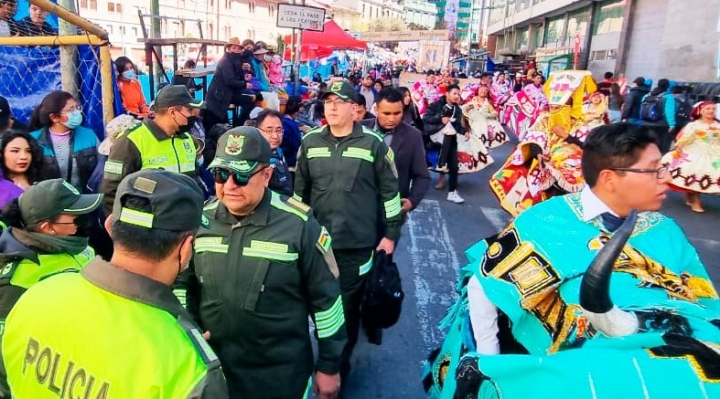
x: 321, y: 44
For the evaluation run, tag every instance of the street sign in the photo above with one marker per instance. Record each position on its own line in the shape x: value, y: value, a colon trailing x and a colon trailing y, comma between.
x: 301, y: 17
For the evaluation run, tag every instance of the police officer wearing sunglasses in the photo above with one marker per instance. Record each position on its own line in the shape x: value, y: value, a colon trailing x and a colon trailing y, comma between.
x: 262, y: 264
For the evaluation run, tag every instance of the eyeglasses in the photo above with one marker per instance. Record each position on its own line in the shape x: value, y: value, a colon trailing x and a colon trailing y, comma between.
x: 223, y: 175
x: 660, y: 172
x: 71, y: 109
x: 273, y: 132
x: 337, y: 101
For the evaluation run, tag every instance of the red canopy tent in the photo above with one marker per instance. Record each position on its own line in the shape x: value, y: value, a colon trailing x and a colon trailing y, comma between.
x: 321, y: 44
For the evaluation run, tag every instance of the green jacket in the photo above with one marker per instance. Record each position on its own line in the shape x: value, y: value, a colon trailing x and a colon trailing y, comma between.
x: 253, y: 282
x: 351, y: 184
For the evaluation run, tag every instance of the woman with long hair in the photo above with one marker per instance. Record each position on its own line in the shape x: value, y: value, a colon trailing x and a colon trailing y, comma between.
x: 411, y: 113
x: 20, y: 163
x: 615, y: 103
x: 69, y: 149
x: 595, y: 110
x: 693, y: 163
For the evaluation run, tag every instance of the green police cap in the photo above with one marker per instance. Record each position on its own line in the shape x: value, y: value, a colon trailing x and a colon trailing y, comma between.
x: 342, y: 89
x: 242, y: 150
x: 50, y: 198
x: 176, y: 200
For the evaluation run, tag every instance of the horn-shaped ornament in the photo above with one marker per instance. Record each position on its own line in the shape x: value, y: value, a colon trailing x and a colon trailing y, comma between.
x: 595, y: 299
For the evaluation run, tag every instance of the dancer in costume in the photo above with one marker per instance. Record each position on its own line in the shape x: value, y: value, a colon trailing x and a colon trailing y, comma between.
x: 695, y: 161
x: 637, y: 314
x: 596, y: 110
x: 483, y: 119
x: 500, y: 92
x: 536, y: 92
x: 425, y: 92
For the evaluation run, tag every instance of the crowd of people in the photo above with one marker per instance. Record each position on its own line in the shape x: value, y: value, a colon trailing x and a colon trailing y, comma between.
x: 182, y: 192
x: 35, y: 24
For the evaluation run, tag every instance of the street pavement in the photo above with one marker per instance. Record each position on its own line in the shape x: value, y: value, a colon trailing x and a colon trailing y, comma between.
x: 429, y: 255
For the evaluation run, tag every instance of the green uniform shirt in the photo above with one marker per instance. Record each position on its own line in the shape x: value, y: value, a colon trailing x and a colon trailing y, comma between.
x: 351, y: 184
x: 146, y: 147
x: 253, y: 282
x: 106, y: 333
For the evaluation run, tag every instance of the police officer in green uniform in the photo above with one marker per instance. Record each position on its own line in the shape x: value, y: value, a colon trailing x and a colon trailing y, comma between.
x: 262, y: 265
x: 115, y: 330
x: 346, y: 172
x: 161, y: 143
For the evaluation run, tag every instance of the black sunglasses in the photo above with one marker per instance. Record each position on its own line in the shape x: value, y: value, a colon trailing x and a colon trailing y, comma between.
x: 223, y: 175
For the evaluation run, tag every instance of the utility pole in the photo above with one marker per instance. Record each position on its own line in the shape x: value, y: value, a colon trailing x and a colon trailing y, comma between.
x: 155, y: 23
x: 68, y: 54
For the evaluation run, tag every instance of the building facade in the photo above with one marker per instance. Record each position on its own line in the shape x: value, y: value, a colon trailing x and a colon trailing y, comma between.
x: 214, y: 19
x: 420, y: 12
x: 676, y: 39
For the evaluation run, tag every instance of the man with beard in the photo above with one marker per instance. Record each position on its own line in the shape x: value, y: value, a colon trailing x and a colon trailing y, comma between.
x: 227, y: 86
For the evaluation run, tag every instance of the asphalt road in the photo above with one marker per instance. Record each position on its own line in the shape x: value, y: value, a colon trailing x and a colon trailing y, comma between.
x: 429, y: 255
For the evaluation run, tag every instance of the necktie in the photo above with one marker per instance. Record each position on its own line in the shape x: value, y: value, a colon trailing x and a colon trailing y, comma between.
x: 611, y: 222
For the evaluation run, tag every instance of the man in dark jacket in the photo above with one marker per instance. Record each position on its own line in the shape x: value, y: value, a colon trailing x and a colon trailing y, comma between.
x: 226, y: 87
x: 633, y: 99
x: 407, y: 145
x: 440, y: 113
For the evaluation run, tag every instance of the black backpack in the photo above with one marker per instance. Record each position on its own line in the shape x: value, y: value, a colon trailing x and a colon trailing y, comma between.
x: 384, y: 295
x: 683, y: 109
x: 652, y: 108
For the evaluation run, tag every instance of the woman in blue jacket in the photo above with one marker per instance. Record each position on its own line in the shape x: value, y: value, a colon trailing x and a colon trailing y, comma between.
x: 69, y: 150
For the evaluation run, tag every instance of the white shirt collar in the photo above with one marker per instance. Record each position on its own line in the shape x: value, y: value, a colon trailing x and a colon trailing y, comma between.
x: 592, y: 205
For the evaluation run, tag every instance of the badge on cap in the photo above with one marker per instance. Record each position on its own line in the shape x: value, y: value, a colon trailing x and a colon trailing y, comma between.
x: 234, y: 144
x: 71, y: 188
x: 336, y: 86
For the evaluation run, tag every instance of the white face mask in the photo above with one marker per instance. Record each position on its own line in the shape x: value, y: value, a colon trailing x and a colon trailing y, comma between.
x: 267, y: 58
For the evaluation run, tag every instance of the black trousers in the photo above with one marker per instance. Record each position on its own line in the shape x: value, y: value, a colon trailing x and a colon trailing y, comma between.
x: 352, y: 287
x: 449, y: 158
x: 245, y: 103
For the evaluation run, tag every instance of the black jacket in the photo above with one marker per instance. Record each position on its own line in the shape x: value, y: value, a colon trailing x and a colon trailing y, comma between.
x: 413, y: 175
x: 633, y: 99
x: 228, y: 80
x: 433, y: 117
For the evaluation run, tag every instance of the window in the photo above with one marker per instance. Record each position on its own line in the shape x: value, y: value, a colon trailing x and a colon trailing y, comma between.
x: 251, y: 7
x: 553, y: 30
x: 609, y: 18
x: 93, y: 5
x: 134, y: 31
x: 228, y: 4
x: 83, y: 3
x: 109, y: 29
x: 111, y: 7
x: 211, y: 30
x: 122, y: 30
x: 577, y: 25
x: 118, y: 8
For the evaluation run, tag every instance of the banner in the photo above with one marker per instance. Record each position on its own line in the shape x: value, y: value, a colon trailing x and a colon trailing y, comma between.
x: 452, y: 8
x: 403, y: 36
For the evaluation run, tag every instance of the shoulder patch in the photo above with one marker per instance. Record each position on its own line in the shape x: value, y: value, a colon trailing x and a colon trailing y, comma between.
x: 132, y: 129
x: 298, y: 204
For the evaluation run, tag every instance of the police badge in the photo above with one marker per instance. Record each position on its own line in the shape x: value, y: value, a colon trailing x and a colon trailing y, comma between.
x: 234, y: 144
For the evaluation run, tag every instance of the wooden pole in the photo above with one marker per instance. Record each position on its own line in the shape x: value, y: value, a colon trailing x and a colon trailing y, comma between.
x: 65, y: 40
x: 68, y: 54
x: 107, y: 84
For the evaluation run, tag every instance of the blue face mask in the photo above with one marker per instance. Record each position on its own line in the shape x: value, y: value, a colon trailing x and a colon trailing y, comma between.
x: 129, y: 75
x: 74, y: 119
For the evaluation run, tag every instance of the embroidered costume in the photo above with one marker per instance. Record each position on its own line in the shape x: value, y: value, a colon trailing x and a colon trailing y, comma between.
x: 533, y: 272
x: 694, y: 163
x: 483, y: 119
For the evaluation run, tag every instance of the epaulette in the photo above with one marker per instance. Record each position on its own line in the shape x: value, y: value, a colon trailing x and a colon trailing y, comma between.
x: 298, y: 204
x: 132, y: 129
x: 313, y: 131
x: 277, y: 202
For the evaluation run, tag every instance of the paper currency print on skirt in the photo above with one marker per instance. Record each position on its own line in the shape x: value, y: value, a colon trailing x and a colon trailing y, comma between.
x: 535, y: 276
x: 694, y: 163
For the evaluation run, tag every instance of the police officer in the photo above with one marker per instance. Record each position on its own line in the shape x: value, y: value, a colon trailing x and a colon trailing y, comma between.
x: 262, y: 264
x: 269, y: 122
x: 115, y: 330
x: 346, y: 172
x: 164, y: 142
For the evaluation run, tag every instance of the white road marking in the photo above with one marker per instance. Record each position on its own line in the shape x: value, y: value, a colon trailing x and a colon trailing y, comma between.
x: 435, y: 268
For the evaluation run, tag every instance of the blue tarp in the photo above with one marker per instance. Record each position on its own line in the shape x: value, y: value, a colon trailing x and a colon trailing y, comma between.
x: 28, y: 74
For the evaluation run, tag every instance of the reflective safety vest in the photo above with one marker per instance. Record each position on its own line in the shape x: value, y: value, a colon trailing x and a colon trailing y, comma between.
x: 176, y: 154
x: 68, y: 338
x: 26, y: 273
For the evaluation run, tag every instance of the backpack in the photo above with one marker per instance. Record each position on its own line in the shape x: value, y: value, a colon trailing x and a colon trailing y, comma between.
x: 652, y: 108
x: 384, y: 295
